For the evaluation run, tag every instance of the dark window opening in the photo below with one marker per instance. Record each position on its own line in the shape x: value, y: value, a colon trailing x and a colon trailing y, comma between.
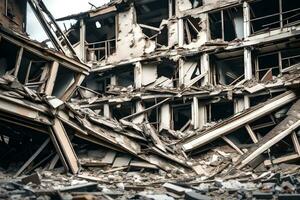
x: 101, y: 37
x: 8, y: 54
x: 122, y: 110
x: 168, y: 69
x: 181, y: 115
x: 220, y: 111
x: 227, y: 24
x: 229, y: 71
x: 268, y: 66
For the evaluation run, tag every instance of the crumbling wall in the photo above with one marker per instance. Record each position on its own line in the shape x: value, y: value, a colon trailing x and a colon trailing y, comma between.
x: 131, y: 42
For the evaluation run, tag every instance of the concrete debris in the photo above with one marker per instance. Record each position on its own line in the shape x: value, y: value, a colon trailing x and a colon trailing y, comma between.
x: 152, y: 99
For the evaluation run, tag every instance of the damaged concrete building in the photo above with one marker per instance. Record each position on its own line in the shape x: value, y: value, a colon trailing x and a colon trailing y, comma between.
x: 192, y: 93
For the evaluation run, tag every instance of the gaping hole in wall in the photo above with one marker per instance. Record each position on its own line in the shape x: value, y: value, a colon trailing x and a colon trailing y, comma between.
x: 150, y: 15
x: 220, y: 111
x: 229, y: 71
x: 101, y: 37
x: 227, y: 24
x: 122, y: 110
x: 181, y: 114
x: 8, y: 54
x: 191, y: 29
x: 196, y: 3
x: 64, y: 79
x: 167, y: 72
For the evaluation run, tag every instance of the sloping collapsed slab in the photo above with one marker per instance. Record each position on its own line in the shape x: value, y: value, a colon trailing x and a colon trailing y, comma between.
x: 239, y: 121
x: 283, y: 129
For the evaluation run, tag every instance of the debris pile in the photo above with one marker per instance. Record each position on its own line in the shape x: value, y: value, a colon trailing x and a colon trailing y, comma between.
x: 145, y: 106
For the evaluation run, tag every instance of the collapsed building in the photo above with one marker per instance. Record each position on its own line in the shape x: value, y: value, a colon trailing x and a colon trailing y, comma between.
x: 156, y: 85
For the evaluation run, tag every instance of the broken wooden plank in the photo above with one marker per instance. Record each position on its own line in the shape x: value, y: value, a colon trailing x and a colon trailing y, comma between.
x: 251, y: 133
x: 230, y: 143
x: 65, y: 145
x: 296, y: 142
x: 282, y: 159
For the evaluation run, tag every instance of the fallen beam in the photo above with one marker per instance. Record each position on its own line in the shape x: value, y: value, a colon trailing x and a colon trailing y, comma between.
x: 239, y: 121
x: 283, y: 129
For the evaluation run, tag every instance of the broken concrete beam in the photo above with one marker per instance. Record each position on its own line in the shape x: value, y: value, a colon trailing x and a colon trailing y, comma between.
x: 238, y: 121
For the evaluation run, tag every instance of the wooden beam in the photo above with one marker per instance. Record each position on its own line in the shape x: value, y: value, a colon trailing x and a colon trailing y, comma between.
x: 296, y: 142
x: 282, y: 159
x: 52, y: 77
x: 251, y: 133
x: 230, y: 143
x: 38, y: 151
x: 65, y: 145
x: 18, y: 61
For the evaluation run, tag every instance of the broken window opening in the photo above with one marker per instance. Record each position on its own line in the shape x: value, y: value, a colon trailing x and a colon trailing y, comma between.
x: 122, y: 110
x: 167, y: 71
x: 97, y: 83
x: 101, y: 37
x: 271, y: 64
x: 227, y: 24
x: 150, y: 15
x: 181, y: 114
x: 269, y: 14
x: 290, y: 57
x: 229, y: 71
x: 268, y: 65
x: 220, y: 111
x: 125, y: 78
x: 191, y: 29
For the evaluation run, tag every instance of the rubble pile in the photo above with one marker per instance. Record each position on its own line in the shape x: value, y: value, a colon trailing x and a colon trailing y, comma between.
x: 136, y: 102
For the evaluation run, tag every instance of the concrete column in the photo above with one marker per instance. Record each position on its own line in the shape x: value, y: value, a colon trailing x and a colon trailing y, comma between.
x: 247, y: 25
x: 82, y: 40
x: 180, y: 33
x: 106, y: 111
x: 205, y: 67
x: 138, y: 76
x: 199, y: 114
x: 165, y: 117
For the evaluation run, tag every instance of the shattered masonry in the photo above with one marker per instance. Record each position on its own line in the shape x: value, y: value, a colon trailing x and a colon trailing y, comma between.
x: 186, y: 95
